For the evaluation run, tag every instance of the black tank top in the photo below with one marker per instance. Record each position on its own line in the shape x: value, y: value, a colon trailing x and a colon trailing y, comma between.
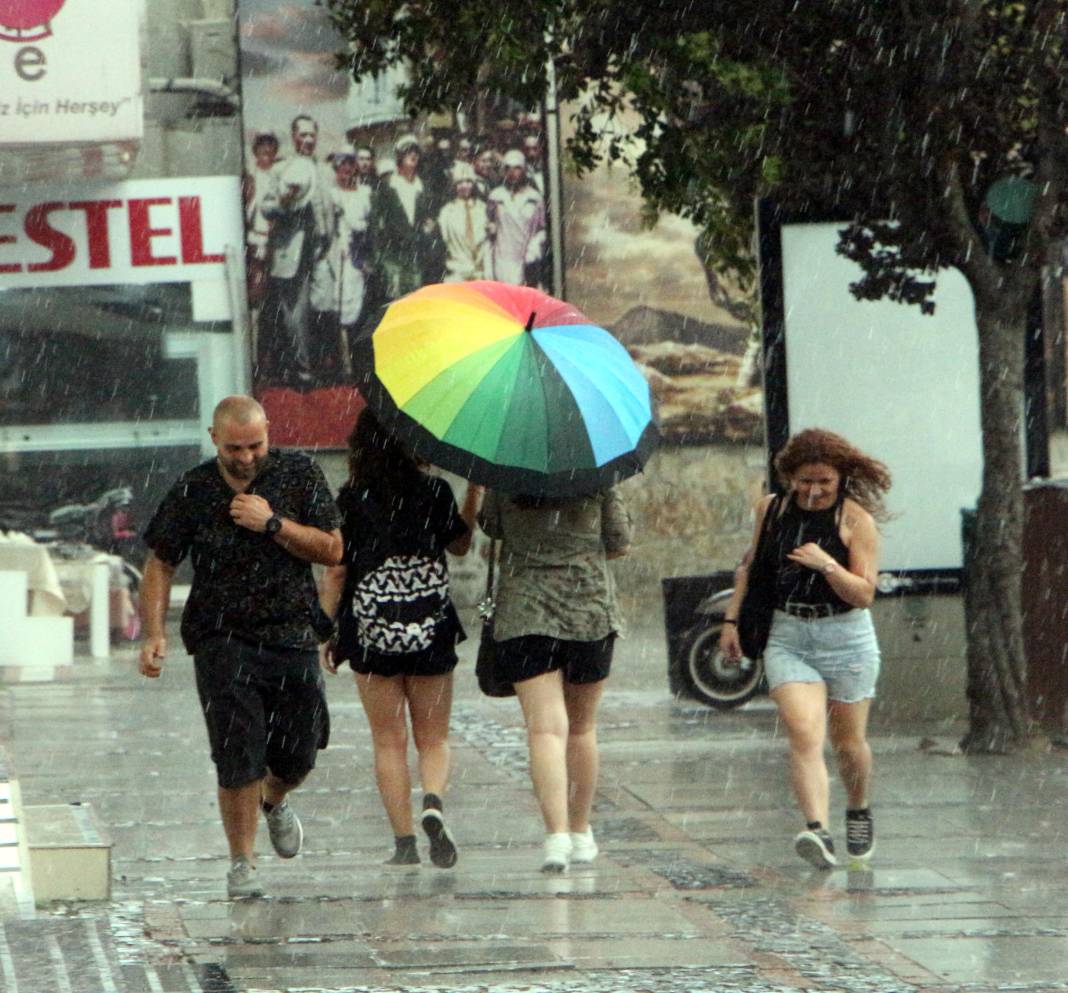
x: 797, y: 583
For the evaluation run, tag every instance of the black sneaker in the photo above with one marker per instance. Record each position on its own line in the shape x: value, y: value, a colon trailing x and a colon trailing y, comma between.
x: 404, y: 851
x: 816, y: 846
x: 860, y: 836
x: 442, y: 846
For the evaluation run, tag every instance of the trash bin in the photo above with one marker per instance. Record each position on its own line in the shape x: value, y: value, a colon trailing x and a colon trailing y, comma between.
x: 1044, y: 587
x: 682, y: 596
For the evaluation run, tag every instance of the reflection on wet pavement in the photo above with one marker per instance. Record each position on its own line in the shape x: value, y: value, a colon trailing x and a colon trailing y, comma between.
x: 697, y: 887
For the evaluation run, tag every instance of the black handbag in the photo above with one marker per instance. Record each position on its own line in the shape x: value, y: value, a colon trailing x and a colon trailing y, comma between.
x: 758, y: 604
x: 489, y: 680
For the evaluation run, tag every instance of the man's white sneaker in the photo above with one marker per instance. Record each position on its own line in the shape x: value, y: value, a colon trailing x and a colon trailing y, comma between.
x: 241, y: 882
x: 557, y: 852
x: 583, y: 847
x: 284, y: 829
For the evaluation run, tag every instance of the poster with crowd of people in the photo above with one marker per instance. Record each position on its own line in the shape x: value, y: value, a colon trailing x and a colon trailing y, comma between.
x: 350, y: 204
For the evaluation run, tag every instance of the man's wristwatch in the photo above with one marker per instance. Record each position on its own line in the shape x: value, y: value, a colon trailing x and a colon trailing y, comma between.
x: 273, y: 525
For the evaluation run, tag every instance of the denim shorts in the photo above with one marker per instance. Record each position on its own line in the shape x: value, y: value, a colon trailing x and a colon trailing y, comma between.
x: 840, y: 651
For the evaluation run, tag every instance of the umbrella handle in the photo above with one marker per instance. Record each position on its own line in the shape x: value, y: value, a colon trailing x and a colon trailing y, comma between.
x: 485, y: 608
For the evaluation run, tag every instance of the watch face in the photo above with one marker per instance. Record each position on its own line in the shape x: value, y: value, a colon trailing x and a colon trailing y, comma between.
x: 273, y: 525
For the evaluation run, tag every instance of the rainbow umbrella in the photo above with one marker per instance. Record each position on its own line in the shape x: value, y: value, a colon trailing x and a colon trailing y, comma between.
x: 507, y: 386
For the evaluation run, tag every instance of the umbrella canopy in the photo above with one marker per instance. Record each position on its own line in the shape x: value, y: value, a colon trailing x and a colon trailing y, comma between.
x: 509, y: 387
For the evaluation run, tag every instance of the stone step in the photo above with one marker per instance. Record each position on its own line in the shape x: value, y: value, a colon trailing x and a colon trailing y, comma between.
x: 16, y: 890
x: 70, y: 857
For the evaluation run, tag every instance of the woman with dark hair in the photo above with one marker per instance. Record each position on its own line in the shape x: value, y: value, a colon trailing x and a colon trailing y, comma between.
x: 397, y: 627
x: 822, y: 657
x: 555, y: 623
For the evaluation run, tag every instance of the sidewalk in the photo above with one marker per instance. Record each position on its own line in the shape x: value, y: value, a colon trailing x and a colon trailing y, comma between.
x: 697, y: 887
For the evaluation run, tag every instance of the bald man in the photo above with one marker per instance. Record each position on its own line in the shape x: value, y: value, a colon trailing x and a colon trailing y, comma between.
x: 252, y: 521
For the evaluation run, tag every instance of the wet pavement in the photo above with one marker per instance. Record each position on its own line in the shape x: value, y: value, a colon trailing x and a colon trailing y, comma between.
x: 697, y: 886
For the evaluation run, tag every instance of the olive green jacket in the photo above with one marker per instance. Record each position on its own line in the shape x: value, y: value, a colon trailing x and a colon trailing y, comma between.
x: 554, y: 578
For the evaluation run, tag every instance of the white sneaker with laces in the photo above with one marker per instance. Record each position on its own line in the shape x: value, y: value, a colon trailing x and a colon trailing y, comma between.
x: 557, y: 852
x: 241, y: 882
x: 583, y: 846
x: 285, y: 830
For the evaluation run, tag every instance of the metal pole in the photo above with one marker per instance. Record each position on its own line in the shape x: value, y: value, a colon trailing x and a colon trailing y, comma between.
x: 239, y: 319
x: 100, y: 611
x: 553, y: 181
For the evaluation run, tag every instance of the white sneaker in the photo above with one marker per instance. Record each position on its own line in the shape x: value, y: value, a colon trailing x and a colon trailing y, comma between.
x: 241, y: 883
x: 557, y: 852
x: 285, y: 830
x: 583, y: 847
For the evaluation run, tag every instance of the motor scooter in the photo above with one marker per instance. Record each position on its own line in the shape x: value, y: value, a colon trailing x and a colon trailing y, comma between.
x: 79, y: 530
x: 708, y: 674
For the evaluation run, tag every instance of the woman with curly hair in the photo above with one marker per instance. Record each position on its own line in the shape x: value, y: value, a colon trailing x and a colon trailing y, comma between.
x: 822, y: 657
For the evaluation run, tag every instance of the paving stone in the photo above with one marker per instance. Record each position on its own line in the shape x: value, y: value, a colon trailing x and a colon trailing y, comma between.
x: 697, y: 888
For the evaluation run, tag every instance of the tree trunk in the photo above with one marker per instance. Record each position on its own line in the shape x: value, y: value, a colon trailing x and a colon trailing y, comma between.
x: 997, y: 698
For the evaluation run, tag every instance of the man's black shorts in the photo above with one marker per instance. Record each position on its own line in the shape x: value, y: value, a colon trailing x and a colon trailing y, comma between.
x: 265, y: 709
x: 531, y: 655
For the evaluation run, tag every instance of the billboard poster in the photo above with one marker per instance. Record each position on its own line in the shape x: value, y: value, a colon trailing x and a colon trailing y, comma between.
x: 694, y: 336
x: 350, y: 204
x: 691, y: 331
x: 59, y: 83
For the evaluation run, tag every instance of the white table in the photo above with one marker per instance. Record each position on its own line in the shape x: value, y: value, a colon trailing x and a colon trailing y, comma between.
x: 61, y: 586
x: 20, y: 553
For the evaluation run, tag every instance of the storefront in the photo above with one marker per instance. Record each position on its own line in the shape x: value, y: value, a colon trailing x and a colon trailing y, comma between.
x: 122, y: 298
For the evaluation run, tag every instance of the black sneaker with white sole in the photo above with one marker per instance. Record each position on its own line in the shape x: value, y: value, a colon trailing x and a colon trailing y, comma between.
x: 442, y: 846
x: 860, y: 835
x: 816, y: 847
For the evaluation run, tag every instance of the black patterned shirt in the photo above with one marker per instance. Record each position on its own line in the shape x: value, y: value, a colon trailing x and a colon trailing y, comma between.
x: 246, y: 585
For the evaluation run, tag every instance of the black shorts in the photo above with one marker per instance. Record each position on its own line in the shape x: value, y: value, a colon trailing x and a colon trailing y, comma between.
x: 265, y: 709
x: 531, y: 655
x: 436, y: 661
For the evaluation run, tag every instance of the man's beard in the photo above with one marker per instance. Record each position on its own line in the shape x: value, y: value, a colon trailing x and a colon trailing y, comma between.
x: 241, y: 471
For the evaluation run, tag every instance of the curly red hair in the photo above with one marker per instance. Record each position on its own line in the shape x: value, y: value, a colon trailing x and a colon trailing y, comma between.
x: 865, y: 480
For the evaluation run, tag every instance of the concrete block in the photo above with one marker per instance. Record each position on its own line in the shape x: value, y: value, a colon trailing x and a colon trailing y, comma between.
x: 37, y: 641
x: 70, y: 858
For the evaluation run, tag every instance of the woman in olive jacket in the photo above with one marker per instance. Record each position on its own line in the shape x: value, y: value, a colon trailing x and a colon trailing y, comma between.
x: 555, y: 624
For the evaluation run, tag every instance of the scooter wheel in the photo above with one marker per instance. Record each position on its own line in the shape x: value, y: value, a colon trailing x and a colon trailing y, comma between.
x: 709, y: 678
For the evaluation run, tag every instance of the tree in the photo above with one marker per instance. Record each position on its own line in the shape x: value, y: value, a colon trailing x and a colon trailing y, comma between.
x: 899, y: 114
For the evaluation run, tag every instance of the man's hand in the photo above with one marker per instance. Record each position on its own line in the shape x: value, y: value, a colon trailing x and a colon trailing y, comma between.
x: 153, y: 651
x: 250, y: 511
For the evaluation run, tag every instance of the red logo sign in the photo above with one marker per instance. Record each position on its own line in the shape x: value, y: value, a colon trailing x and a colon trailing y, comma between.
x: 27, y: 20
